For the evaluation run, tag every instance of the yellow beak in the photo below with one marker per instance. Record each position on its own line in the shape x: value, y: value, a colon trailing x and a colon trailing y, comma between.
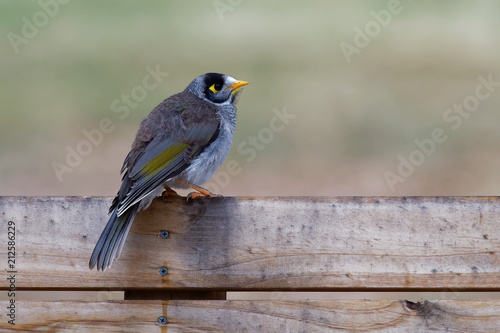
x: 237, y: 85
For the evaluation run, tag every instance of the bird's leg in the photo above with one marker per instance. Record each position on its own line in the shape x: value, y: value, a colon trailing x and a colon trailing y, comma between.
x: 202, y: 192
x: 168, y: 192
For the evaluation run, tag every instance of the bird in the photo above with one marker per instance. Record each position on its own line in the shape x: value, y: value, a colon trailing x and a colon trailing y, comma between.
x: 180, y: 144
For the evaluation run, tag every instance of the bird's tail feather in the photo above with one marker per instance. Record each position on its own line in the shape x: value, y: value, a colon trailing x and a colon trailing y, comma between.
x: 110, y: 244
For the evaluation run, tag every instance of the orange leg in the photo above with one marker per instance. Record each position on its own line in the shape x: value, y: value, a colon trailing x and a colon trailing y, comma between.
x: 202, y: 192
x: 169, y: 192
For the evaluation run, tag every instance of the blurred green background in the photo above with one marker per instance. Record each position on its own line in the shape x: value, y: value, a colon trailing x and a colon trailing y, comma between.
x: 63, y: 65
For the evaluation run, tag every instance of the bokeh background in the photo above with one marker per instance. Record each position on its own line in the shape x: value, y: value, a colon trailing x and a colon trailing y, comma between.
x: 354, y: 118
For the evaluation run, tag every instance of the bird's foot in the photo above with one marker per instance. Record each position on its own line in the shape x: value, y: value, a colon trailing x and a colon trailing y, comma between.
x: 169, y: 192
x: 193, y: 195
x: 202, y: 192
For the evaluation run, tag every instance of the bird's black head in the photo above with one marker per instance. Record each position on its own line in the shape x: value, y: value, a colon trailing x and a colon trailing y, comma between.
x: 216, y: 88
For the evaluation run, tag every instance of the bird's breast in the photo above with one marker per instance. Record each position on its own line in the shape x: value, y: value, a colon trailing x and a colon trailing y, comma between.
x: 203, y: 166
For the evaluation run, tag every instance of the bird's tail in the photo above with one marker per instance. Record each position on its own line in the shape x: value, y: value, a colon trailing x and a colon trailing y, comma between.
x: 110, y: 244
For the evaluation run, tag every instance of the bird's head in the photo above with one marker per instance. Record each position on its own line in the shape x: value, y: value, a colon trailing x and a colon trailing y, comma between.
x: 216, y: 88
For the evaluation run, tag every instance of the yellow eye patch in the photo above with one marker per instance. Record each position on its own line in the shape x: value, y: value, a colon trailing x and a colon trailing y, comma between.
x: 212, y: 87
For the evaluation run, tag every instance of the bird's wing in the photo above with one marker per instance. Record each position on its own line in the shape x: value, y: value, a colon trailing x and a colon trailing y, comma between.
x: 173, y: 134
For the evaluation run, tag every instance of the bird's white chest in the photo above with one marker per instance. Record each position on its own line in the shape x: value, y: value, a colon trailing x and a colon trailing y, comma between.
x: 204, y: 166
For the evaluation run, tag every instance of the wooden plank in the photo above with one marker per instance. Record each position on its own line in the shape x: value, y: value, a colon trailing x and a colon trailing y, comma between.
x: 254, y: 316
x: 435, y: 243
x: 168, y: 294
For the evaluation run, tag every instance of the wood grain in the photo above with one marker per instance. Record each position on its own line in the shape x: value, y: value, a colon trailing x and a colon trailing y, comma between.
x: 352, y: 243
x: 255, y: 316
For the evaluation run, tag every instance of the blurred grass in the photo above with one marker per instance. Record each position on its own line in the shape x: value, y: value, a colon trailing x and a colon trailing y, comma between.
x: 352, y: 120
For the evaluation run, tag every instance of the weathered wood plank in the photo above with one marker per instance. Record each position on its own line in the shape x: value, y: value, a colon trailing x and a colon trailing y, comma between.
x: 262, y: 244
x: 169, y: 294
x: 254, y: 316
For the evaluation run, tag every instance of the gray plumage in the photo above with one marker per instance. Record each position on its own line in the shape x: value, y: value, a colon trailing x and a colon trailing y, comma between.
x: 186, y: 137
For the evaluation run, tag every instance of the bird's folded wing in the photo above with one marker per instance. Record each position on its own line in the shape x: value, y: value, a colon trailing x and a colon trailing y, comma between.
x: 163, y: 159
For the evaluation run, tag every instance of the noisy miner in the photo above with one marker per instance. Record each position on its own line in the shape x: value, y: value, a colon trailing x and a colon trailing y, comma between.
x: 179, y: 144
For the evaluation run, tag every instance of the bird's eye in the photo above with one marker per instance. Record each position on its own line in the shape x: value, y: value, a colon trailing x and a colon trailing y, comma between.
x: 215, y: 88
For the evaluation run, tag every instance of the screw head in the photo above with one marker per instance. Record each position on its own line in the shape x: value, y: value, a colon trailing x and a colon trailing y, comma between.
x: 163, y: 271
x: 164, y: 234
x: 162, y: 320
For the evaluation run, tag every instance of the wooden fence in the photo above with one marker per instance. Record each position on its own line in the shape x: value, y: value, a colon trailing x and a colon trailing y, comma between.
x: 215, y: 245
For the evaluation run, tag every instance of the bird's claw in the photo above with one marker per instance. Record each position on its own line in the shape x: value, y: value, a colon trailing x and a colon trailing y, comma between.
x: 194, y: 195
x: 169, y: 193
